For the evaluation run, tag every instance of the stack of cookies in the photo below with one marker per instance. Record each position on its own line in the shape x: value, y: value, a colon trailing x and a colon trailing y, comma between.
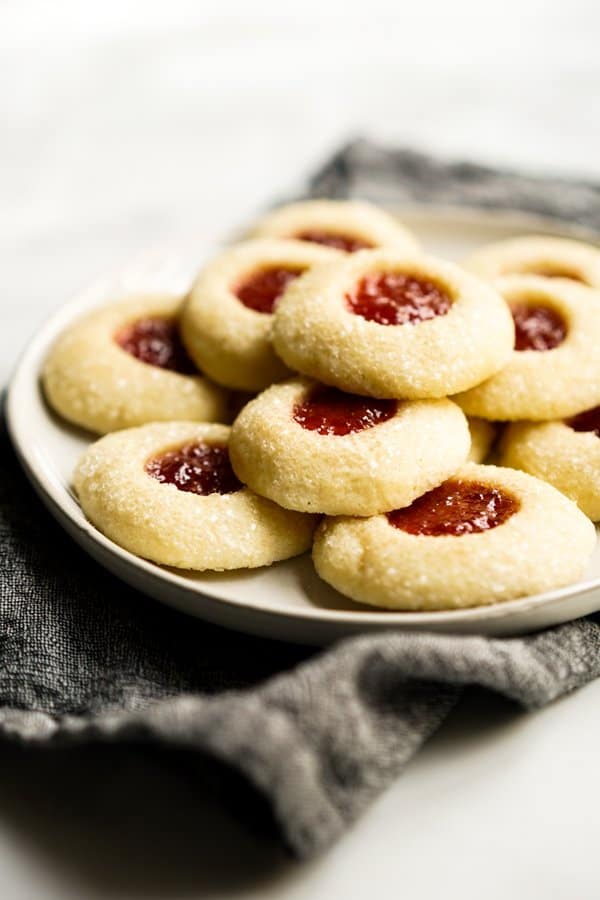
x: 366, y: 381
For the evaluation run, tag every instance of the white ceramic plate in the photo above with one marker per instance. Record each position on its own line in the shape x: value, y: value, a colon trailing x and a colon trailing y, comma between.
x: 286, y: 601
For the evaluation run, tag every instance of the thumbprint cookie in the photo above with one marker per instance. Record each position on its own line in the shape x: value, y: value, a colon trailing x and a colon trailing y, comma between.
x: 554, y: 368
x: 313, y: 448
x: 483, y: 435
x: 566, y: 454
x: 548, y: 256
x: 486, y: 535
x: 343, y: 225
x: 387, y: 325
x: 124, y: 365
x: 167, y: 492
x: 227, y: 320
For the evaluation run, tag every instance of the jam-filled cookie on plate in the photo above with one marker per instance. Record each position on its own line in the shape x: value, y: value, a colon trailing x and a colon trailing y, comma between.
x: 486, y: 535
x: 388, y: 325
x: 124, y: 365
x: 316, y: 449
x: 344, y: 225
x: 554, y: 369
x: 226, y: 323
x: 549, y: 256
x: 167, y: 492
x: 566, y: 454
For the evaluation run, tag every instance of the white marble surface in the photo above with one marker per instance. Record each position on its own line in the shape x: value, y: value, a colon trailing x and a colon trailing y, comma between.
x: 127, y: 124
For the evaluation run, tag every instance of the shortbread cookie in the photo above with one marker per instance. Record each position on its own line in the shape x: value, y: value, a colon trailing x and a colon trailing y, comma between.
x: 387, y: 325
x: 487, y: 535
x: 124, y: 365
x: 483, y: 435
x: 340, y: 224
x: 315, y: 449
x: 566, y: 454
x: 226, y: 323
x: 167, y: 492
x: 554, y: 370
x: 549, y: 256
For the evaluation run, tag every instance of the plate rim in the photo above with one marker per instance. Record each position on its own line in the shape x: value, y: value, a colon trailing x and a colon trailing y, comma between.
x: 25, y: 375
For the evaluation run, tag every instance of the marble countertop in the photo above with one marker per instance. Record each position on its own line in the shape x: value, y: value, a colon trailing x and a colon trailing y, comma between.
x: 126, y: 125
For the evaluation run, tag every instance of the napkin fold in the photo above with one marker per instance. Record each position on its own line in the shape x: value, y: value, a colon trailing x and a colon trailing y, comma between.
x: 393, y: 177
x: 316, y: 736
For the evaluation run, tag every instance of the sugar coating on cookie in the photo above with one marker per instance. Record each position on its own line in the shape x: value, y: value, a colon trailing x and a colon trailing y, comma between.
x: 315, y: 449
x: 167, y: 492
x: 554, y: 369
x: 124, y: 365
x: 551, y: 257
x: 566, y: 454
x: 487, y: 535
x: 483, y: 435
x: 346, y: 226
x: 227, y: 319
x: 388, y: 325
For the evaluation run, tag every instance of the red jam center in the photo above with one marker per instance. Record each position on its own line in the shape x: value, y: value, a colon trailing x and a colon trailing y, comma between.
x: 397, y: 299
x: 262, y: 290
x: 344, y: 242
x: 456, y: 508
x: 197, y: 468
x: 329, y: 411
x: 587, y: 421
x: 156, y: 342
x: 537, y: 327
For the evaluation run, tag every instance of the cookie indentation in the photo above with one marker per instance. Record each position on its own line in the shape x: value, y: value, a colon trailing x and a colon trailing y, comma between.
x: 456, y: 508
x: 262, y: 290
x: 156, y: 341
x: 345, y: 242
x: 537, y: 327
x: 398, y: 299
x: 197, y: 468
x: 329, y: 411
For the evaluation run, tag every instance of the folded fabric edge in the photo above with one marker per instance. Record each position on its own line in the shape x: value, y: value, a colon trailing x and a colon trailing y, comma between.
x: 281, y: 766
x: 385, y: 696
x: 368, y: 170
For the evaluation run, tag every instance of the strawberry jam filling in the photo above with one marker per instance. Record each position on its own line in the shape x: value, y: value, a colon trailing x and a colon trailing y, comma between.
x: 586, y: 421
x: 156, y: 341
x: 262, y: 290
x: 455, y: 508
x: 344, y: 242
x: 397, y: 299
x: 197, y: 468
x: 537, y: 327
x: 329, y: 411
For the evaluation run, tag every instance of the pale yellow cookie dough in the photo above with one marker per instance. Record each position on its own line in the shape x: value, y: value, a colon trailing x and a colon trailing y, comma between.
x: 91, y: 381
x: 172, y: 527
x: 316, y: 333
x: 567, y: 459
x: 227, y: 340
x: 483, y: 435
x: 339, y: 218
x: 546, y: 544
x: 551, y: 384
x: 361, y: 473
x: 538, y: 255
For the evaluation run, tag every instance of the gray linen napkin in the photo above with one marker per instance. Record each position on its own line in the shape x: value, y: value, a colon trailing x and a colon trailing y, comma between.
x: 313, y: 737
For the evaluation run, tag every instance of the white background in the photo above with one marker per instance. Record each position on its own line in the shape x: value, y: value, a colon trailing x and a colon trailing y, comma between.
x: 128, y: 124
